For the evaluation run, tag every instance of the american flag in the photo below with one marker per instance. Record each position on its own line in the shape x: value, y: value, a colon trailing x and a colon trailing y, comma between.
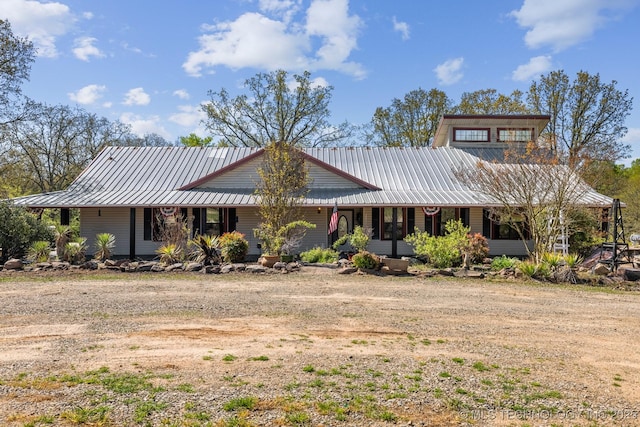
x: 333, y: 223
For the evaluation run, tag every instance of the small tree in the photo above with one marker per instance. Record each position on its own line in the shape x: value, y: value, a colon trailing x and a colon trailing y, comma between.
x: 283, y: 186
x: 443, y: 251
x: 528, y: 192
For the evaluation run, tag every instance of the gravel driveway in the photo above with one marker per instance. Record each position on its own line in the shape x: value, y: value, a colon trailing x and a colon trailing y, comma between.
x: 314, y: 348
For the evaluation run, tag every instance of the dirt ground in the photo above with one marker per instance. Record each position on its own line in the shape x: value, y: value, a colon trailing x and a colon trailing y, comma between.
x: 314, y: 348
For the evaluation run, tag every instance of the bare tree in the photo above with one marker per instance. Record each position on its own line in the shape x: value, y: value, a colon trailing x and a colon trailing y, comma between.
x: 16, y: 56
x: 587, y: 116
x: 409, y: 122
x: 295, y: 113
x: 530, y: 189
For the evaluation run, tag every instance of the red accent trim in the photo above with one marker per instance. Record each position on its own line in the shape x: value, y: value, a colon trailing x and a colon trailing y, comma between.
x: 221, y: 171
x: 258, y: 153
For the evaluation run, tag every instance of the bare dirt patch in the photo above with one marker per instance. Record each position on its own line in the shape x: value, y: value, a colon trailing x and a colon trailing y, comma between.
x: 314, y: 348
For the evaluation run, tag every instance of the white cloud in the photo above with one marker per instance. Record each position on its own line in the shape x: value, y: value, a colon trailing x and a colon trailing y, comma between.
x: 188, y: 116
x: 181, y: 93
x: 142, y: 126
x: 272, y: 42
x: 401, y: 27
x: 84, y: 48
x: 88, y: 94
x: 449, y: 72
x: 87, y: 15
x: 42, y: 23
x: 562, y: 24
x: 536, y: 65
x: 632, y: 136
x: 136, y: 96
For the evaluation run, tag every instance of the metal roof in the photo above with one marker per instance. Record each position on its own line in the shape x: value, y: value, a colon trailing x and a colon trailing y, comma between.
x: 153, y: 176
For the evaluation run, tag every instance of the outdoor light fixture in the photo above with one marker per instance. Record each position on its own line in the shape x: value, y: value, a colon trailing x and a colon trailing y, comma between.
x: 319, y: 209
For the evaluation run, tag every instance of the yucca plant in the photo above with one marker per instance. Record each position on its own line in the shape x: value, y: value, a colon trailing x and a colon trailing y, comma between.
x: 572, y: 260
x: 74, y: 252
x: 553, y: 260
x: 528, y: 268
x: 105, y: 242
x: 39, y: 251
x: 207, y: 249
x: 169, y: 253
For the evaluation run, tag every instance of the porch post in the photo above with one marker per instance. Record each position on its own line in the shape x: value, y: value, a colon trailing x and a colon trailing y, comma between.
x: 394, y: 233
x: 132, y: 234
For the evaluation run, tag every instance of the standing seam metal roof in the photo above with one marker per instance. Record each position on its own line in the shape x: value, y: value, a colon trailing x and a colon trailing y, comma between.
x: 151, y: 176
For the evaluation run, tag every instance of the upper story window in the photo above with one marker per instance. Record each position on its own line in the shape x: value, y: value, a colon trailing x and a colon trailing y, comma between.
x: 470, y: 135
x: 515, y: 135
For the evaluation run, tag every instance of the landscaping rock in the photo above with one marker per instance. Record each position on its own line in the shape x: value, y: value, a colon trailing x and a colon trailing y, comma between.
x: 144, y: 266
x: 347, y: 270
x: 89, y: 265
x: 158, y: 268
x: 238, y: 266
x: 13, y: 264
x: 446, y: 272
x: 469, y: 273
x: 193, y: 266
x: 211, y: 269
x: 173, y: 267
x: 60, y: 265
x: 256, y: 269
x: 227, y: 268
x: 280, y: 265
x: 601, y: 269
x: 630, y: 274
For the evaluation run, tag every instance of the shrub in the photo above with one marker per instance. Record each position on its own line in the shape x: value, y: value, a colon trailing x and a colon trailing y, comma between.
x: 18, y: 230
x: 478, y: 247
x: 234, y: 246
x: 366, y: 260
x: 502, y: 262
x: 552, y: 260
x: 170, y: 253
x: 39, y: 250
x: 319, y: 255
x: 442, y: 251
x: 105, y: 242
x: 358, y: 240
x: 207, y: 250
x: 528, y: 268
x: 572, y: 260
x: 74, y: 252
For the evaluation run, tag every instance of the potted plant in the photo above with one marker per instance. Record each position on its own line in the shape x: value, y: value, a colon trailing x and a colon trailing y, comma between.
x: 281, y: 242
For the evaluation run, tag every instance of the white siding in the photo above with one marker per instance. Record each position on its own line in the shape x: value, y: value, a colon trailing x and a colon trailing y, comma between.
x: 110, y: 220
x: 322, y: 178
x: 508, y: 247
x: 243, y: 176
x: 247, y: 221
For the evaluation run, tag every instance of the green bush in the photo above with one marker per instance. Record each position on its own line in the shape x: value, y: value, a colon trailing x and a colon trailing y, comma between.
x: 234, y: 246
x: 75, y: 251
x: 18, y: 230
x: 319, y: 255
x: 366, y: 260
x: 359, y: 239
x: 39, y: 250
x: 528, y: 268
x: 207, y: 250
x: 169, y: 253
x: 502, y: 262
x: 442, y: 251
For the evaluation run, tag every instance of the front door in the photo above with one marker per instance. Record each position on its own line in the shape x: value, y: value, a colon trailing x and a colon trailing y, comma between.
x: 345, y: 224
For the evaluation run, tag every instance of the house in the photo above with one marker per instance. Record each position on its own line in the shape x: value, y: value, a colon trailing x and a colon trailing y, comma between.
x: 127, y: 190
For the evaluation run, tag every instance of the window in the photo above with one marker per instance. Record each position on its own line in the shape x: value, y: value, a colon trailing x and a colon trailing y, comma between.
x: 157, y: 220
x: 435, y: 224
x: 214, y: 220
x: 493, y: 228
x: 387, y: 223
x: 471, y: 135
x: 515, y: 135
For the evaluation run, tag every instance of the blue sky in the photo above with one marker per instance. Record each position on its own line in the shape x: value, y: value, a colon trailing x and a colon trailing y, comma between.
x: 151, y: 63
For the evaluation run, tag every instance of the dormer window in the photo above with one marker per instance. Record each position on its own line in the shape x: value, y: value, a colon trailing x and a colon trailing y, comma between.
x: 470, y: 135
x: 515, y: 135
